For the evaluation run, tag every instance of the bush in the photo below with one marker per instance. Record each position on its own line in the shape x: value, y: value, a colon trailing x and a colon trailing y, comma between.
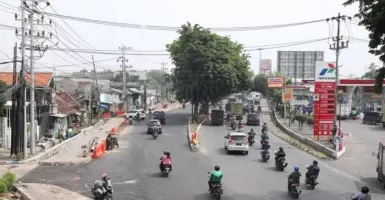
x: 310, y: 120
x: 6, y: 182
x: 301, y: 118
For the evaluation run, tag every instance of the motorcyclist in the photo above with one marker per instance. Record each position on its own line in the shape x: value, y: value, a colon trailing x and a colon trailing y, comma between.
x: 251, y: 133
x: 109, y: 142
x: 228, y: 116
x: 363, y: 195
x: 259, y: 109
x: 239, y: 124
x: 264, y: 127
x: 280, y: 154
x: 165, y: 160
x: 313, y: 170
x: 138, y: 116
x: 264, y: 137
x: 266, y: 145
x: 215, y: 177
x: 106, y: 184
x: 294, y: 178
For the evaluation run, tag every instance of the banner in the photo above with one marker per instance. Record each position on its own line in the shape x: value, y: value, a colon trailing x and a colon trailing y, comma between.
x: 265, y: 66
x: 277, y: 82
x: 287, y: 95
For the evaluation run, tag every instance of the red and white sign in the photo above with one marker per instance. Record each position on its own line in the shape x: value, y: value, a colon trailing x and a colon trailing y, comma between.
x: 324, y: 108
x: 277, y: 82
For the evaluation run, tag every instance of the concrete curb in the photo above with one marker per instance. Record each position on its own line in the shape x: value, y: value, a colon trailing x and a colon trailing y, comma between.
x: 306, y: 141
x: 23, y: 193
x: 49, y: 153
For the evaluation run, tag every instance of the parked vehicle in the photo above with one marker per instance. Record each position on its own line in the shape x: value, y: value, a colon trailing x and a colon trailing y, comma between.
x: 217, y: 117
x: 237, y: 141
x: 253, y: 119
x: 132, y: 114
x: 161, y: 116
x: 381, y: 163
x: 153, y: 125
x: 373, y: 117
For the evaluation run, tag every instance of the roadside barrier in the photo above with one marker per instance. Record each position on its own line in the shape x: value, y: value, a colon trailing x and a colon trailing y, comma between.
x: 99, y: 149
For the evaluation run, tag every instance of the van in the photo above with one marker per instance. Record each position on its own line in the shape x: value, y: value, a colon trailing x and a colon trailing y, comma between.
x: 372, y: 117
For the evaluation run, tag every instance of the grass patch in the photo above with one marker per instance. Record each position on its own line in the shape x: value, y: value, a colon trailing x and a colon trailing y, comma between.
x: 305, y: 147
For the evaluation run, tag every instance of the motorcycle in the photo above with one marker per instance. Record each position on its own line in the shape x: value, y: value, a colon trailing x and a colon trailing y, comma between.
x: 98, y: 190
x: 155, y: 133
x: 251, y: 140
x: 216, y: 190
x: 294, y: 191
x: 265, y: 155
x: 280, y: 164
x: 166, y: 170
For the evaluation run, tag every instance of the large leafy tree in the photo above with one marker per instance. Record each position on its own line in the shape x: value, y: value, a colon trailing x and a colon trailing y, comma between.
x: 208, y: 66
x: 372, y: 16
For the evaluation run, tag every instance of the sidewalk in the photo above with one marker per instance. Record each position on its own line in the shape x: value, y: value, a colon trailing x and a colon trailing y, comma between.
x: 74, y: 153
x: 34, y: 191
x: 307, y: 130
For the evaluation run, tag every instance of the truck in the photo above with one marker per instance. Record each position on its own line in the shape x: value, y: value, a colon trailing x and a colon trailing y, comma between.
x: 343, y: 110
x: 381, y: 163
x: 236, y: 109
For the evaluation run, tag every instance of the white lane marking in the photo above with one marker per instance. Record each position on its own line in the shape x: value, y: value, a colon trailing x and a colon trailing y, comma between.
x: 127, y: 182
x: 341, y: 197
x: 379, y: 190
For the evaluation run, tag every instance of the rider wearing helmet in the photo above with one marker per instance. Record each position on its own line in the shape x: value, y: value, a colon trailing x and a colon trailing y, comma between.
x: 363, y: 195
x: 280, y: 154
x: 264, y: 127
x: 312, y: 170
x: 165, y: 160
x: 106, y: 184
x: 215, y: 177
x: 251, y: 133
x: 294, y: 178
x: 266, y: 145
x: 239, y: 124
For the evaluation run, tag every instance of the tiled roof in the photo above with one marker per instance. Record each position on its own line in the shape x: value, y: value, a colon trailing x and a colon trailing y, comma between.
x: 42, y: 79
x: 66, y: 104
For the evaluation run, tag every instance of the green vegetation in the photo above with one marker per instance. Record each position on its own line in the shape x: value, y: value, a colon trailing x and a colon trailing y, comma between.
x: 260, y: 85
x: 6, y: 182
x: 208, y: 67
x: 372, y: 17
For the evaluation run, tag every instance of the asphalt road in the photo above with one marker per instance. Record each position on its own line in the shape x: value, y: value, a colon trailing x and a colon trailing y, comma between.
x: 135, y: 174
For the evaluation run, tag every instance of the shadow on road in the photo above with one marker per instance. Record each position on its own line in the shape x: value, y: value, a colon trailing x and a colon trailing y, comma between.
x: 222, y: 151
x: 272, y: 168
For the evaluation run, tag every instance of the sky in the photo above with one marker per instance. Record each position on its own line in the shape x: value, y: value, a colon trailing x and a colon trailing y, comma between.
x: 212, y: 13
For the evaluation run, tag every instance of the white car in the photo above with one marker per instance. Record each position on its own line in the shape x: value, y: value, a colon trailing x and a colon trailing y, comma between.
x: 133, y: 113
x: 237, y: 141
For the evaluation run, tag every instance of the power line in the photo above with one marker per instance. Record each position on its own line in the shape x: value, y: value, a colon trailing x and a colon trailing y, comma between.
x: 175, y: 28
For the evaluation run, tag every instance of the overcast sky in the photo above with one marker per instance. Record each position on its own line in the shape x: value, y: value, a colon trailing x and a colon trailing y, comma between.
x: 208, y: 13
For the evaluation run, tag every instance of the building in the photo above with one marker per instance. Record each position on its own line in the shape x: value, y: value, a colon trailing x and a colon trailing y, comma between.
x: 298, y: 65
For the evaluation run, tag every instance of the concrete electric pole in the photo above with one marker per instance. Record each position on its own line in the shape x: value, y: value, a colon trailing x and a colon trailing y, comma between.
x: 339, y: 44
x: 34, y: 36
x: 123, y: 59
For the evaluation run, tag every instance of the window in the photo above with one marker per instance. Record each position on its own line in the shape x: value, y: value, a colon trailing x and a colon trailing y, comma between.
x: 238, y: 138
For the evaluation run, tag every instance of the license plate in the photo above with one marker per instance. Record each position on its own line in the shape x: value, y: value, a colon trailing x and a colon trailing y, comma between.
x: 239, y: 144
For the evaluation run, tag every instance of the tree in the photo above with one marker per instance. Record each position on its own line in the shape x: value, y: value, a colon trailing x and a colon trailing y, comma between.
x: 130, y: 78
x: 208, y: 66
x: 260, y: 85
x: 3, y: 99
x: 372, y: 73
x: 372, y: 17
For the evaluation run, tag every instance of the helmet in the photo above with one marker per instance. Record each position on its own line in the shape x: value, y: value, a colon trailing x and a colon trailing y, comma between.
x: 240, y: 121
x: 104, y: 176
x: 251, y: 129
x: 280, y: 148
x: 165, y: 152
x: 365, y: 189
x: 217, y: 168
x: 296, y: 168
x: 315, y: 162
x: 264, y: 123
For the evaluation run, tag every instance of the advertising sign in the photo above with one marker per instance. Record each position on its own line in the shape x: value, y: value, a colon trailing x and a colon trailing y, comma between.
x: 265, y: 66
x: 277, y: 82
x: 287, y: 95
x: 324, y: 104
x: 325, y: 71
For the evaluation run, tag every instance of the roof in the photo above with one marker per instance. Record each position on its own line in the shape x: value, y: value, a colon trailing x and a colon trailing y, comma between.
x: 42, y: 79
x: 66, y: 104
x: 237, y: 134
x: 136, y: 91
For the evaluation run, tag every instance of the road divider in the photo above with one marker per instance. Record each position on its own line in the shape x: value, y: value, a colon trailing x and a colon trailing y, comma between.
x: 99, y: 149
x: 193, y: 133
x: 306, y: 141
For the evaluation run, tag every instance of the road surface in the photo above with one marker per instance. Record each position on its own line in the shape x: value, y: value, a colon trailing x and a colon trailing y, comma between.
x: 134, y: 169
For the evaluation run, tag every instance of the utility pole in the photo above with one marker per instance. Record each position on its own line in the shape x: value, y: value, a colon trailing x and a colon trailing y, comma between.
x: 145, y: 90
x: 123, y: 59
x: 163, y: 80
x: 14, y: 124
x: 96, y: 93
x: 338, y: 45
x: 34, y: 36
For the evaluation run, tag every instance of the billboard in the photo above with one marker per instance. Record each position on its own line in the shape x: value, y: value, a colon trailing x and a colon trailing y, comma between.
x: 325, y: 71
x: 324, y: 104
x: 287, y: 95
x: 265, y: 66
x: 276, y: 82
